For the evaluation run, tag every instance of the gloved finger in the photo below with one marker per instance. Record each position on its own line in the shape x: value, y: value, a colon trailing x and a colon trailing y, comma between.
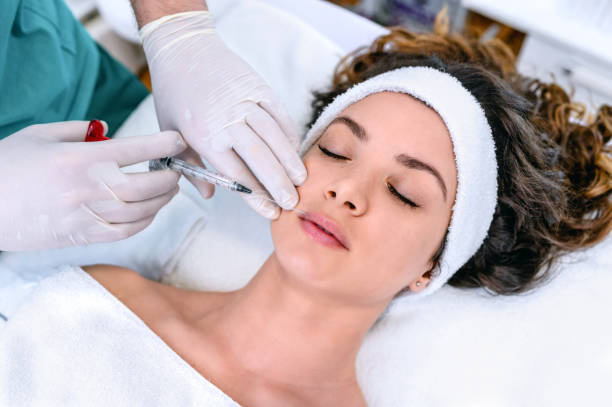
x: 229, y: 164
x: 132, y: 150
x: 268, y: 130
x: 114, y: 211
x: 262, y: 162
x: 75, y: 130
x: 205, y: 189
x: 110, y: 232
x: 282, y: 118
x: 259, y: 200
x: 141, y: 186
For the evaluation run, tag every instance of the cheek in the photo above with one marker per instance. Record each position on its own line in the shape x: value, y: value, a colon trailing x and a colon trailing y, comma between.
x: 397, y: 255
x: 315, y: 168
x: 399, y: 245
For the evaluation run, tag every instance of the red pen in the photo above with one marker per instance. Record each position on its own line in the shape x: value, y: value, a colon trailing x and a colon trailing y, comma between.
x: 95, y: 131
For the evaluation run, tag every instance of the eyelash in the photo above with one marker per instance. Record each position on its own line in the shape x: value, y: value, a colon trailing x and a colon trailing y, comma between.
x: 393, y: 191
x: 401, y: 197
x: 329, y: 153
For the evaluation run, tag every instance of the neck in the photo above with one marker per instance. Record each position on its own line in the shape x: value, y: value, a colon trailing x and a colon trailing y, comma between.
x: 282, y: 331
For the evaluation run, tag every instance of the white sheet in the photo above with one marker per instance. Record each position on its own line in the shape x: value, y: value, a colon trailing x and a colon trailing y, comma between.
x: 74, y: 344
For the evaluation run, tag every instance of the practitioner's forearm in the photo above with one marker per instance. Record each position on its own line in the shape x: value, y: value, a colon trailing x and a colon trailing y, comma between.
x: 149, y: 10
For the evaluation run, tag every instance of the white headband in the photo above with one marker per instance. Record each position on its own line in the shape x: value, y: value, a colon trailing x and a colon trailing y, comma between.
x: 474, y: 156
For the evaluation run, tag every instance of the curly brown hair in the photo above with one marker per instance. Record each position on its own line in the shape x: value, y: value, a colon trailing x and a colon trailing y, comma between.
x: 554, y: 161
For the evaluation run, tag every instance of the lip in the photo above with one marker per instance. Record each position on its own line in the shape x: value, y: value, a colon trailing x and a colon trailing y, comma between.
x: 329, y: 225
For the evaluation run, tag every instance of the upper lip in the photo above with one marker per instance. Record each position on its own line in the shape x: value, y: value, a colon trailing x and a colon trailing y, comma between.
x: 329, y: 225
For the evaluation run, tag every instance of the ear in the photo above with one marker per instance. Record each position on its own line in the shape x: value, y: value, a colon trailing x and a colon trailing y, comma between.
x: 423, y: 282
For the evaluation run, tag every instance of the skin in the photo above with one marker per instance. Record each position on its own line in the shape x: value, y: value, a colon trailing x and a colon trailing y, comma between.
x: 310, y: 306
x: 149, y: 10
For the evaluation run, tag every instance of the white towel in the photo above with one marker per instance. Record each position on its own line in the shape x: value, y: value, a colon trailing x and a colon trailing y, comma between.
x: 72, y: 343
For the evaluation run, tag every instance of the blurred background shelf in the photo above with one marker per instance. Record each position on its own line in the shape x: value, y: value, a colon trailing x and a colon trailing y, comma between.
x: 566, y: 41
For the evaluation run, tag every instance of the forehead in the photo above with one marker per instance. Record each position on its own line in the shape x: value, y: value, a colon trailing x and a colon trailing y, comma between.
x: 399, y: 116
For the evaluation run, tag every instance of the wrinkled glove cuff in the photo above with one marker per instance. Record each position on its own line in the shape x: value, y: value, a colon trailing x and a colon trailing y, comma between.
x: 203, y: 15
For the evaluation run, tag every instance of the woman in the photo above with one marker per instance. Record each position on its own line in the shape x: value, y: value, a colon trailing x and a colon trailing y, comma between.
x: 387, y: 175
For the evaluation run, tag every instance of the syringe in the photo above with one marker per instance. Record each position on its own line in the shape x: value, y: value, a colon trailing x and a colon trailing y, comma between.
x: 191, y: 170
x: 197, y: 172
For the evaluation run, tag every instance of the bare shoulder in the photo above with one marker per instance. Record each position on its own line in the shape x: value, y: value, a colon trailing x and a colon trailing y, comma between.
x: 145, y: 298
x: 153, y: 302
x: 119, y: 281
x: 169, y: 311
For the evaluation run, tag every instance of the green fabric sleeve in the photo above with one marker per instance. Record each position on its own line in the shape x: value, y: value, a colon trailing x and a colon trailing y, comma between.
x: 52, y: 70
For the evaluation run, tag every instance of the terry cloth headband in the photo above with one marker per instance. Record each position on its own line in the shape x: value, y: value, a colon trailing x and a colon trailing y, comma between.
x: 474, y: 156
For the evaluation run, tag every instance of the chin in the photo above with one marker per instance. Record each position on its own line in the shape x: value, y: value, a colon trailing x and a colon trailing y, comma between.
x: 297, y: 254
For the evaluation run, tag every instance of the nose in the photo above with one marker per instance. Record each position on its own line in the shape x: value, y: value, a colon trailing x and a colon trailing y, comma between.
x: 349, y: 195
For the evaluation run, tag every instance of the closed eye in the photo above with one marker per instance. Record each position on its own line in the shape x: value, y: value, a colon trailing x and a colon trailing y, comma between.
x: 329, y: 153
x: 393, y: 191
x: 401, y: 197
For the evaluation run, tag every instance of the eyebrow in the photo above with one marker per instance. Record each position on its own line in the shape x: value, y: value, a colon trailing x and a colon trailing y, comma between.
x: 355, y: 127
x: 417, y: 164
x: 404, y: 159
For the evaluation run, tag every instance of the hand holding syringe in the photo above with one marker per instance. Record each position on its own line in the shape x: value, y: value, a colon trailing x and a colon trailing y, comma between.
x: 212, y: 177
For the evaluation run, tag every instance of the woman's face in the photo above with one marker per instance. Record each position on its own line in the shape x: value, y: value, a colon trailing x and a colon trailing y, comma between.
x: 383, y: 176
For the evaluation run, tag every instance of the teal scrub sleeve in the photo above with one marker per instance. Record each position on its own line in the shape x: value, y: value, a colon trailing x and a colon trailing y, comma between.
x: 52, y: 70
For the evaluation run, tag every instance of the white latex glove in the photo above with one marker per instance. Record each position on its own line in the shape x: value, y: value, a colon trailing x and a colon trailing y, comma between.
x: 58, y: 190
x: 224, y: 109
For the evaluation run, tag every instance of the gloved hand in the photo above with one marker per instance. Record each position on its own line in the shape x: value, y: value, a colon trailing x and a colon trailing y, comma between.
x: 224, y: 109
x: 59, y: 191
